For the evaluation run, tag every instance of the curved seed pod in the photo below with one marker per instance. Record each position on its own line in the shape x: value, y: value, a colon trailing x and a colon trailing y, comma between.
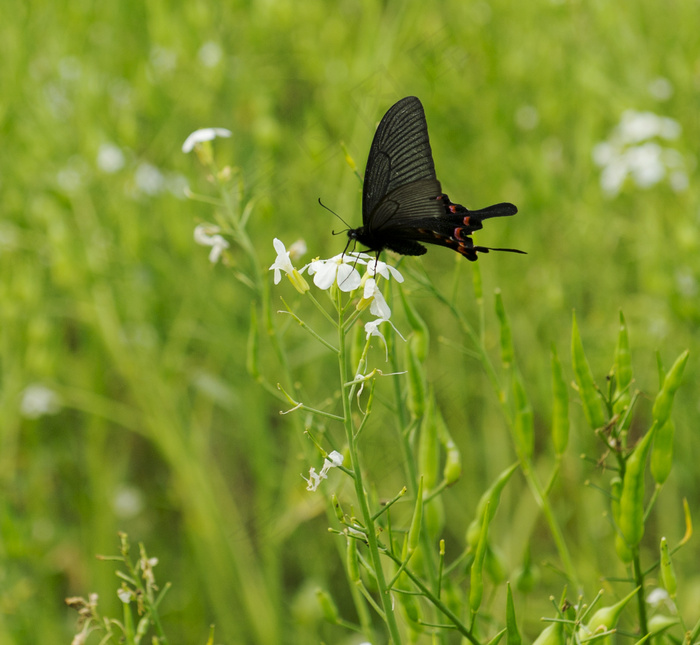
x: 592, y: 405
x: 664, y: 400
x: 623, y: 371
x: 551, y: 635
x: 668, y: 575
x: 632, y: 500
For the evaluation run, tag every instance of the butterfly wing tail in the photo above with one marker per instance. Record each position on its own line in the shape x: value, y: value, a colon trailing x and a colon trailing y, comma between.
x: 504, y: 209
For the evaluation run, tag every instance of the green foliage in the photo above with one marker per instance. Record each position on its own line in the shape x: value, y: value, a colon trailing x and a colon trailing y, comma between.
x: 140, y: 382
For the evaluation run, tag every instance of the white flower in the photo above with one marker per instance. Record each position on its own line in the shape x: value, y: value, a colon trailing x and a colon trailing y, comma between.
x: 125, y: 595
x: 657, y: 596
x: 283, y: 263
x: 378, y: 306
x: 631, y: 151
x: 205, y: 134
x: 110, y: 158
x: 38, y: 400
x: 297, y: 249
x: 333, y: 460
x: 208, y: 235
x: 372, y: 329
x: 339, y: 269
x: 385, y: 270
x: 639, y: 126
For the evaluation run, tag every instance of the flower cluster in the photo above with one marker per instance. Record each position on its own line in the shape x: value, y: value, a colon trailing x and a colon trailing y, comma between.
x: 633, y: 150
x: 208, y: 235
x: 341, y: 271
x: 333, y: 460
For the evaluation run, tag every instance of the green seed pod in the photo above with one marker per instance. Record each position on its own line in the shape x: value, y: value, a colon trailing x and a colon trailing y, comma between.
x: 664, y: 400
x: 416, y: 521
x: 352, y: 561
x: 453, y: 457
x: 623, y: 371
x: 416, y: 382
x: 668, y: 575
x: 434, y: 517
x: 513, y: 633
x: 488, y: 504
x: 330, y: 611
x: 428, y: 445
x: 606, y: 617
x: 659, y: 623
x: 592, y: 405
x: 495, y: 565
x: 527, y: 576
x: 476, y: 587
x: 662, y: 452
x: 523, y: 424
x: 507, y: 352
x: 551, y: 635
x: 337, y: 508
x: 621, y: 547
x: 632, y: 500
x: 420, y: 338
x: 560, y: 407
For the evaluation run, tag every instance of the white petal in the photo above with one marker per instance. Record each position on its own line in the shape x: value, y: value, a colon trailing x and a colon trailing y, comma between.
x: 336, y: 458
x: 379, y: 307
x: 372, y: 328
x: 204, y: 134
x: 348, y: 278
x: 325, y: 275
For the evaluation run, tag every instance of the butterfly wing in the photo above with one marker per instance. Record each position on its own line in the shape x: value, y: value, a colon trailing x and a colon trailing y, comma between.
x: 403, y: 206
x: 400, y: 154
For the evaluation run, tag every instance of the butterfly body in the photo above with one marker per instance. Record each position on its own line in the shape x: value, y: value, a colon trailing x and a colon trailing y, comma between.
x: 403, y: 206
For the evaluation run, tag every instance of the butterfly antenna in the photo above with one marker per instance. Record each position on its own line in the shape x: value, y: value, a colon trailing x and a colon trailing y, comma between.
x: 336, y: 214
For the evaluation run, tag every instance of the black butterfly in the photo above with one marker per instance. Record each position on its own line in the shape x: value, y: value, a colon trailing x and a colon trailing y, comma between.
x: 402, y: 201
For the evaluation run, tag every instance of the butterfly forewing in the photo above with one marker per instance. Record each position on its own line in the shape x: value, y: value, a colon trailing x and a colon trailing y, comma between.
x: 400, y: 155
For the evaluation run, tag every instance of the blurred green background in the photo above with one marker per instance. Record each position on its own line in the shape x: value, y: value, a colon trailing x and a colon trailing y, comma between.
x: 154, y: 426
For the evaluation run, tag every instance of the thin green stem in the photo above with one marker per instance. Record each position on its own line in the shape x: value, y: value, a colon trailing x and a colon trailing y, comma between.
x: 367, y: 516
x: 639, y: 581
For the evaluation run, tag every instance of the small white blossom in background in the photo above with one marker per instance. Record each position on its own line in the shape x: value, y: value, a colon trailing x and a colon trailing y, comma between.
x: 333, y: 460
x: 38, y: 401
x: 527, y: 117
x: 659, y: 597
x: 633, y: 150
x: 110, y: 158
x: 210, y: 54
x: 661, y: 88
x: 340, y: 270
x: 283, y: 263
x: 202, y: 135
x: 127, y: 502
x: 208, y: 235
x: 149, y: 179
x: 297, y: 250
x: 125, y: 595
